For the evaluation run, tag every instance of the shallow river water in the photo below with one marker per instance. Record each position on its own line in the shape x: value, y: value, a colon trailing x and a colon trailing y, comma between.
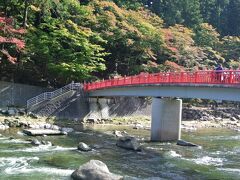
x: 218, y: 157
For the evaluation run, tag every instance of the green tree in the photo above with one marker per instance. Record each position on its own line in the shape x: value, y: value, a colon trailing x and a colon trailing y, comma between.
x: 213, y: 12
x: 67, y: 50
x: 191, y: 13
x: 134, y: 37
x: 185, y: 12
x: 231, y: 48
x: 231, y: 24
x: 206, y: 36
x: 130, y: 4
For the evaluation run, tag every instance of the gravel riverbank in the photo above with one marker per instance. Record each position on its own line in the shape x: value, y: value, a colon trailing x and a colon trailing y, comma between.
x: 192, y: 119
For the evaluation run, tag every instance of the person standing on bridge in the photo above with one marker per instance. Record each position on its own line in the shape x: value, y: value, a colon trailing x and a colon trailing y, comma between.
x: 218, y: 71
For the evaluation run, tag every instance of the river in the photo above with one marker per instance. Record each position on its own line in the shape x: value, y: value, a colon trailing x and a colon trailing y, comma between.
x: 217, y: 158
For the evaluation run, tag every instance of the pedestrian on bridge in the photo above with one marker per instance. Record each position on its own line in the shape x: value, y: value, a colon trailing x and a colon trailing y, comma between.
x: 218, y: 73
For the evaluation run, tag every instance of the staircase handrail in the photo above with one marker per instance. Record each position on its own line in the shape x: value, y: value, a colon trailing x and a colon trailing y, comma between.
x: 50, y: 95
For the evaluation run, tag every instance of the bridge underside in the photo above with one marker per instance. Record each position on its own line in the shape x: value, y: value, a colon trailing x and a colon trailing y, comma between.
x: 213, y: 92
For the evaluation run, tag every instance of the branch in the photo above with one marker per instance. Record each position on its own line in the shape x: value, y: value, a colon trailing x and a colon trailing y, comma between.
x: 11, y: 59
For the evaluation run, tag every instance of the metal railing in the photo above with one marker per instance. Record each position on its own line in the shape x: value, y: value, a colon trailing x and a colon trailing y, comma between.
x: 227, y: 77
x: 50, y: 95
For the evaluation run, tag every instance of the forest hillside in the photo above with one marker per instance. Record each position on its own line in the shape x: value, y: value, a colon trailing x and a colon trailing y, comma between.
x: 52, y: 42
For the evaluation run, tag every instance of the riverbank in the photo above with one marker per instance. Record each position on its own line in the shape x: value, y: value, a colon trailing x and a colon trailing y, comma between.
x: 192, y: 119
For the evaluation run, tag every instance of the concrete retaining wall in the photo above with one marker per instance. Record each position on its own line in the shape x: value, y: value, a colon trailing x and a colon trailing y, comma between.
x: 17, y: 94
x: 119, y: 107
x: 77, y: 110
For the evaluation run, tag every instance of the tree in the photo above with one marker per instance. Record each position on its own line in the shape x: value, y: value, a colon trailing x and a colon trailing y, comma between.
x: 134, y: 37
x: 130, y: 4
x: 10, y: 39
x: 169, y: 10
x: 186, y: 53
x: 191, y: 13
x: 67, y: 50
x: 213, y: 12
x: 232, y: 18
x: 206, y: 36
x: 231, y: 48
x: 185, y: 12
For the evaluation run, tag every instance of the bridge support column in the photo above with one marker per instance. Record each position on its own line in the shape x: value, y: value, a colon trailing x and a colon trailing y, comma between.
x: 166, y: 119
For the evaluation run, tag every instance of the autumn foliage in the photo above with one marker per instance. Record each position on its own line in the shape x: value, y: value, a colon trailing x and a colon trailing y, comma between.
x: 10, y: 36
x: 174, y: 66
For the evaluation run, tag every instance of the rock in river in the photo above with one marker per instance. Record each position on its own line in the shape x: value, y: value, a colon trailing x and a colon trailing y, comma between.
x: 94, y: 170
x: 35, y: 142
x: 128, y: 142
x: 83, y: 147
x: 185, y: 143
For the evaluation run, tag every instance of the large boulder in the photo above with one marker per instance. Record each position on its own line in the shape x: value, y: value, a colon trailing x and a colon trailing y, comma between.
x: 83, y: 147
x: 94, y: 170
x: 128, y: 142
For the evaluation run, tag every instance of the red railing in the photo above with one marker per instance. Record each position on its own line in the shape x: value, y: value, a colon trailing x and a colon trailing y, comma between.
x: 227, y: 77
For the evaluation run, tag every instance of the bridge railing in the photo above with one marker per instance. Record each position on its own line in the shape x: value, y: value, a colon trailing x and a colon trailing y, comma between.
x: 198, y: 77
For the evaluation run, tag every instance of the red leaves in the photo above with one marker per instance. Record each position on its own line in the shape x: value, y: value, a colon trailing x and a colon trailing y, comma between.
x: 9, y: 37
x: 11, y: 30
x: 169, y: 38
x: 168, y: 35
x: 17, y: 31
x: 5, y: 20
x: 2, y: 39
x: 173, y: 49
x: 19, y: 43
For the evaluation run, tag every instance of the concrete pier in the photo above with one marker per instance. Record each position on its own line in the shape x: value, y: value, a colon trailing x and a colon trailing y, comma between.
x: 166, y: 119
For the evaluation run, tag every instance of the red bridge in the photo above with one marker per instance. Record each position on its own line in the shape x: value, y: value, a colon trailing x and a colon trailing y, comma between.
x: 226, y: 77
x: 166, y: 89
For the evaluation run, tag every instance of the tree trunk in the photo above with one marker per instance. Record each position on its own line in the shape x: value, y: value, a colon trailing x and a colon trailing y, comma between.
x: 25, y: 14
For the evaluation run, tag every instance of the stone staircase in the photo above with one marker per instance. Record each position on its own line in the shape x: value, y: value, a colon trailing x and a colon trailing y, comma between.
x: 49, y: 103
